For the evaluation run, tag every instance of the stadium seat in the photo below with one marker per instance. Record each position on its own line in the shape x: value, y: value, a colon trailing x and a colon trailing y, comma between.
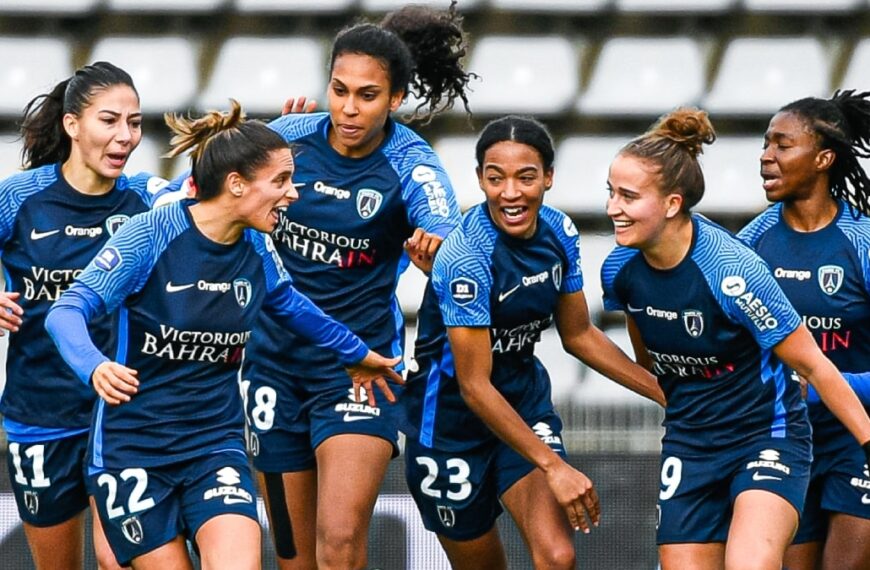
x: 758, y: 75
x: 146, y: 158
x: 644, y: 76
x: 731, y: 173
x: 551, y: 5
x: 165, y: 5
x: 856, y: 76
x: 536, y: 75
x: 784, y: 6
x: 60, y: 7
x: 388, y: 5
x: 164, y: 69
x: 10, y: 154
x: 582, y: 163
x: 563, y: 369
x: 262, y: 73
x: 594, y: 249
x: 675, y: 6
x: 457, y: 156
x: 33, y: 66
x: 292, y: 6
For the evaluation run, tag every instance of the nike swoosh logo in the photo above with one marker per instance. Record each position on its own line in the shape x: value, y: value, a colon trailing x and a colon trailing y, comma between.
x: 759, y: 477
x: 35, y: 235
x: 350, y: 418
x: 865, y: 499
x: 234, y: 500
x: 505, y: 294
x: 170, y: 288
x: 634, y: 309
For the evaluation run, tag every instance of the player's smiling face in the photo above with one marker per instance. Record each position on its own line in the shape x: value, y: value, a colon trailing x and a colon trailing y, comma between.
x: 514, y: 180
x: 270, y: 191
x: 359, y: 104
x: 106, y: 132
x: 792, y: 163
x: 636, y: 205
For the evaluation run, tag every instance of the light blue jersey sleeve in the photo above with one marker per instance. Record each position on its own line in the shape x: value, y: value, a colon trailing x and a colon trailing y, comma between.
x: 426, y: 189
x: 293, y: 126
x: 569, y: 238
x: 857, y: 231
x: 743, y: 286
x: 297, y: 313
x: 858, y: 381
x: 15, y: 189
x: 752, y: 232
x: 462, y: 281
x: 611, y: 267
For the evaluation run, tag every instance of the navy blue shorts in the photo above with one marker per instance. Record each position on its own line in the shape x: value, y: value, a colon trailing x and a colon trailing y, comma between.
x: 457, y: 492
x: 143, y: 509
x: 48, y: 479
x: 839, y: 483
x: 287, y: 420
x: 697, y: 492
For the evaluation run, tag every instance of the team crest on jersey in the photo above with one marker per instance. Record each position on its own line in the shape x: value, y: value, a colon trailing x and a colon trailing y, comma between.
x: 694, y: 322
x: 830, y: 278
x: 114, y: 223
x: 368, y: 202
x: 447, y: 516
x: 463, y: 290
x: 556, y: 271
x: 132, y: 529
x: 108, y: 259
x: 242, y: 289
x: 31, y: 501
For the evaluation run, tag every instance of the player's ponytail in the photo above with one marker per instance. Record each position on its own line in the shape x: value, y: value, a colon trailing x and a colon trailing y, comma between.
x: 422, y: 49
x: 45, y: 140
x: 672, y: 145
x: 220, y: 143
x: 842, y: 124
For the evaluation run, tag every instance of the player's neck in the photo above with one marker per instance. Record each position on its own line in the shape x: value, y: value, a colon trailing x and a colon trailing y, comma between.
x: 809, y: 214
x: 215, y: 222
x: 83, y: 179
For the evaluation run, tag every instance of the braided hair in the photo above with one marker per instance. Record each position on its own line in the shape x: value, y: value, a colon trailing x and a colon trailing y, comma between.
x: 841, y: 124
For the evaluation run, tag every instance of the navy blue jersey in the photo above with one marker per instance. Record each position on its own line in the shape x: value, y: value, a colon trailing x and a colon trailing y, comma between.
x: 342, y: 240
x: 187, y: 308
x: 709, y: 325
x: 49, y: 232
x: 826, y: 276
x: 483, y: 277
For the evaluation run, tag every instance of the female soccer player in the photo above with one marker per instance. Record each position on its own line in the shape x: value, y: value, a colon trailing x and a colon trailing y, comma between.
x: 816, y: 241
x: 54, y: 218
x: 369, y: 186
x: 166, y: 458
x: 483, y: 428
x: 736, y: 451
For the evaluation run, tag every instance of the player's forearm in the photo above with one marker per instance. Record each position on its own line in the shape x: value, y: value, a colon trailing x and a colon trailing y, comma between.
x: 67, y: 324
x: 841, y: 400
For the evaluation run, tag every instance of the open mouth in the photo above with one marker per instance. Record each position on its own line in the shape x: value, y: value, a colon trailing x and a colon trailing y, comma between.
x: 768, y: 180
x: 117, y: 159
x: 514, y: 214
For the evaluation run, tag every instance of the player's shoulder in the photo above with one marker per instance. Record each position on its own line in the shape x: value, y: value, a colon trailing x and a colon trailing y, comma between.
x: 294, y: 126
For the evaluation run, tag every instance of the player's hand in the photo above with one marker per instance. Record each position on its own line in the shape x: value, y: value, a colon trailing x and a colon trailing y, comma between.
x: 421, y: 248
x: 115, y: 383
x: 374, y: 369
x: 576, y: 494
x: 293, y: 106
x: 10, y: 319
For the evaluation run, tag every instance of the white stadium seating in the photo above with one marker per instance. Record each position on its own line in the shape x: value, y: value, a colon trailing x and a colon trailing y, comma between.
x: 758, y: 75
x: 857, y: 74
x: 32, y: 66
x: 732, y: 176
x: 58, y: 7
x: 164, y: 5
x: 551, y: 5
x: 524, y: 74
x: 802, y: 5
x: 644, y: 76
x: 457, y: 156
x: 262, y: 73
x: 165, y: 70
x: 674, y: 6
x: 582, y: 164
x: 10, y: 154
x: 293, y: 6
x: 387, y: 5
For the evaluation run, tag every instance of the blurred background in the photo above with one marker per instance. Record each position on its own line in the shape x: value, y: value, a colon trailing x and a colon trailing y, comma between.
x: 597, y: 72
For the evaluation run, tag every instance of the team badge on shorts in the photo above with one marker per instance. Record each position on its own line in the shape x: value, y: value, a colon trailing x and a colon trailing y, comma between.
x: 31, y: 501
x: 254, y: 444
x: 694, y: 322
x: 830, y: 278
x: 447, y: 516
x: 132, y: 529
